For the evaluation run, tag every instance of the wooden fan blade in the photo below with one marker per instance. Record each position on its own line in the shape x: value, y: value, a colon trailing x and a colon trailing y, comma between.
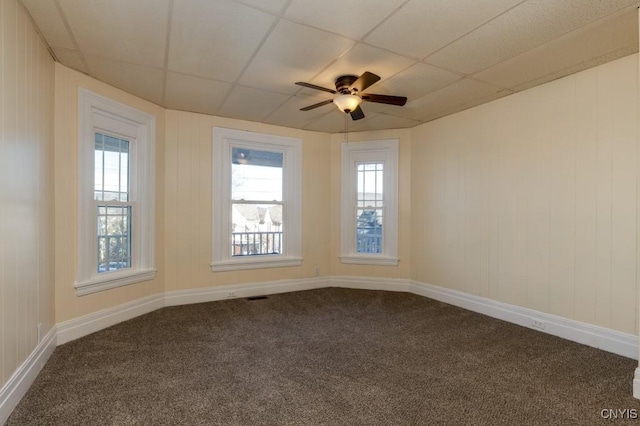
x: 364, y: 81
x: 357, y: 113
x: 319, y: 104
x: 384, y: 99
x: 313, y: 86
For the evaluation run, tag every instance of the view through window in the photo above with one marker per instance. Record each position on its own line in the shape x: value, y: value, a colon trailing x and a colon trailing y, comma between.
x: 112, y: 197
x: 369, y: 207
x: 256, y: 202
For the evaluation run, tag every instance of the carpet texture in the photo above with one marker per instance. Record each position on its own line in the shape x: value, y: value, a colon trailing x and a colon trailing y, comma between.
x: 325, y: 357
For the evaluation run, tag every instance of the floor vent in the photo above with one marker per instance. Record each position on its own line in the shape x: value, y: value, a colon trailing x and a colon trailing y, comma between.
x: 256, y: 298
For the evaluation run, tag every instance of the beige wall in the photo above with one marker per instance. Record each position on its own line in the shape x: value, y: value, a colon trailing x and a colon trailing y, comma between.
x: 533, y: 199
x: 188, y: 203
x: 26, y: 202
x: 403, y: 270
x: 68, y: 305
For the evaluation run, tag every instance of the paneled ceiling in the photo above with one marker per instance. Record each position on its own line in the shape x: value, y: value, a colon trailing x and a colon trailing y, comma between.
x: 241, y: 58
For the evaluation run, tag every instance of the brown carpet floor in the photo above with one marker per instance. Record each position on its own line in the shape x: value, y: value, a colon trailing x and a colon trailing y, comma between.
x: 325, y: 357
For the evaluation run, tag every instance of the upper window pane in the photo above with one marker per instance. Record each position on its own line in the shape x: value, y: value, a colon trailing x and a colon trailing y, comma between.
x: 256, y: 175
x: 111, y: 168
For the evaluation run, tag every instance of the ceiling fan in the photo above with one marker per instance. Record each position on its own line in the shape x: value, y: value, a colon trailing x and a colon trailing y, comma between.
x: 349, y: 89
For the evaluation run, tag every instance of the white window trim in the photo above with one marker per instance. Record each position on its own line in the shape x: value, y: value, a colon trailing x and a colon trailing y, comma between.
x: 384, y: 151
x: 223, y: 141
x: 98, y: 113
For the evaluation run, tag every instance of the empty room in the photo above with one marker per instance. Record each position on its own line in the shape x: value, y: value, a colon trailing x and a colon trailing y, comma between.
x: 298, y: 212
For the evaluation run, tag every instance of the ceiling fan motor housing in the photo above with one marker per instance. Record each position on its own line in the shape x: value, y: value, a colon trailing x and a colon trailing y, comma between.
x: 344, y: 82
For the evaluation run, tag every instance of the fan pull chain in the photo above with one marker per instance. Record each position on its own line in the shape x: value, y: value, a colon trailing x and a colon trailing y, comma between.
x: 346, y: 128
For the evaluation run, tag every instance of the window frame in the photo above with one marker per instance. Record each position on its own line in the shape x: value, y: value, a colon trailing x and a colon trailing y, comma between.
x: 354, y: 153
x: 97, y: 113
x: 224, y: 140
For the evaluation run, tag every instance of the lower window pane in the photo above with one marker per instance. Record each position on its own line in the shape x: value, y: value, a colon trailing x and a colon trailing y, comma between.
x: 114, y: 243
x: 369, y: 231
x: 256, y: 229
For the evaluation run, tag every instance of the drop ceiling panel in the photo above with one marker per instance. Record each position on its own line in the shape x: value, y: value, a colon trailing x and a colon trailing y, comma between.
x: 189, y: 93
x: 289, y: 113
x: 522, y: 28
x: 417, y: 81
x: 215, y: 39
x: 360, y: 59
x: 422, y: 27
x: 457, y: 95
x: 332, y: 122
x: 353, y: 19
x: 380, y: 122
x: 589, y: 46
x: 145, y: 82
x: 48, y: 19
x: 124, y: 30
x: 269, y: 5
x: 293, y: 53
x: 251, y: 104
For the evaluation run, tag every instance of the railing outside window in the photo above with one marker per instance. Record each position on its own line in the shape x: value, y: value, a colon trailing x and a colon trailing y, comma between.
x: 255, y: 243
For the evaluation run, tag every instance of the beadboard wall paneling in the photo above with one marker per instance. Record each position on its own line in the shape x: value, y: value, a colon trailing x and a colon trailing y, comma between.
x: 532, y: 199
x: 26, y: 192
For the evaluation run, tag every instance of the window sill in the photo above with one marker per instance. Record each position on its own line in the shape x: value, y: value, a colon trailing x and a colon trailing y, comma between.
x: 370, y: 260
x: 113, y: 280
x: 254, y: 262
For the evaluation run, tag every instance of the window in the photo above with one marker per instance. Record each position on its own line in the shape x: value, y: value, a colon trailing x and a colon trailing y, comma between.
x: 115, y: 194
x: 369, y: 203
x: 256, y: 200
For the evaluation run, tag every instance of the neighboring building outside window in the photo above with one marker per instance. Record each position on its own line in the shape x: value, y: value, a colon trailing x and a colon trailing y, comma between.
x: 116, y: 194
x: 256, y: 200
x: 369, y: 219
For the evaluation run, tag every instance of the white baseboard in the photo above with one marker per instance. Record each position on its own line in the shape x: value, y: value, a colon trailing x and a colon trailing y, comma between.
x: 212, y: 294
x: 87, y: 324
x: 591, y: 335
x: 368, y: 283
x: 636, y: 383
x: 18, y: 384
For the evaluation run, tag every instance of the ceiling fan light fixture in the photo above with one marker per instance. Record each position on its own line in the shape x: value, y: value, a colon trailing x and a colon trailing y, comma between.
x: 346, y: 102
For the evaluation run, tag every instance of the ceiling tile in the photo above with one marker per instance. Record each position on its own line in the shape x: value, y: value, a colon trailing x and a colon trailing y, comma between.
x: 522, y: 28
x: 123, y: 30
x: 71, y: 59
x: 332, y: 122
x: 215, y: 39
x: 293, y: 52
x: 196, y: 94
x: 576, y: 68
x: 417, y: 81
x: 289, y: 113
x: 360, y: 59
x: 251, y: 104
x: 618, y: 33
x: 270, y: 5
x: 458, y: 95
x: 49, y: 21
x: 422, y: 27
x: 380, y: 122
x: 353, y: 18
x: 145, y: 82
